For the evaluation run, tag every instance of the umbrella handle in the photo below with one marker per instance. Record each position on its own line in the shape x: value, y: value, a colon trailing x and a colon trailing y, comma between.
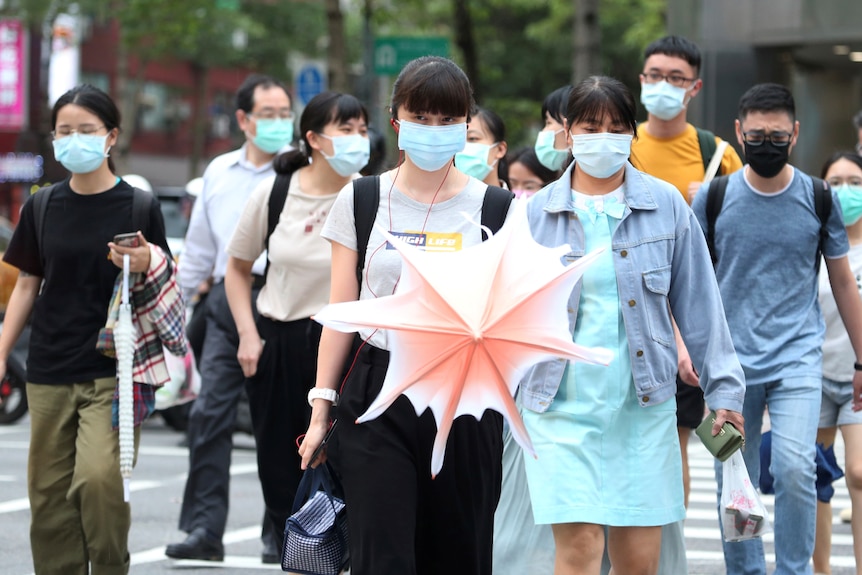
x: 125, y: 294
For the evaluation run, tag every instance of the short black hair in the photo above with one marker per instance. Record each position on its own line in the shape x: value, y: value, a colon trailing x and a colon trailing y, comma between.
x: 678, y: 47
x: 245, y: 93
x: 599, y: 95
x: 768, y: 97
x: 432, y: 85
x: 555, y: 104
x: 857, y: 120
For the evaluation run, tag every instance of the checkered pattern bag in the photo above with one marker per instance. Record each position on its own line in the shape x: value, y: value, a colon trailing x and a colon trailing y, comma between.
x: 315, y: 536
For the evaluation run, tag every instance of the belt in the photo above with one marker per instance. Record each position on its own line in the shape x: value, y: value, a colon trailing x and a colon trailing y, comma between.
x: 257, y: 281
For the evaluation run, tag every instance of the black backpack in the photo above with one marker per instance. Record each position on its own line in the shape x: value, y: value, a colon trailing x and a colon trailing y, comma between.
x: 715, y: 199
x: 141, y: 205
x: 366, y: 199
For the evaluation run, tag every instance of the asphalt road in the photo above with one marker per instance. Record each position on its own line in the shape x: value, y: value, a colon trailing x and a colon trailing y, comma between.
x: 159, y: 478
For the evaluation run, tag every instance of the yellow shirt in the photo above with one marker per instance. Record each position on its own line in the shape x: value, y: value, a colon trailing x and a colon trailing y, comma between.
x: 677, y: 160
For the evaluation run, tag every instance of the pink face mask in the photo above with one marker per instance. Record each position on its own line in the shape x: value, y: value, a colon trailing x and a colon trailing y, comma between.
x: 523, y: 193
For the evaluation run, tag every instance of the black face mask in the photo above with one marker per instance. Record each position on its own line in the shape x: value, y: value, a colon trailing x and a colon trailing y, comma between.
x: 767, y: 159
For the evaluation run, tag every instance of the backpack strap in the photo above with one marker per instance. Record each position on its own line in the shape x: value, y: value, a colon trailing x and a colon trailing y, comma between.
x: 277, y: 199
x: 823, y: 208
x: 706, y: 141
x: 714, y: 201
x: 41, y: 199
x: 495, y: 208
x: 366, y: 199
x: 142, y: 202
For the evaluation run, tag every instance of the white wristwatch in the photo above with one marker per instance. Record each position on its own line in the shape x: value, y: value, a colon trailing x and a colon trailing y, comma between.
x: 329, y: 395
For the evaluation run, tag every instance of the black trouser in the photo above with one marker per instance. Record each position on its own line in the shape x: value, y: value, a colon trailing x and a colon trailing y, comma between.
x: 401, y: 520
x: 212, y: 421
x: 277, y: 396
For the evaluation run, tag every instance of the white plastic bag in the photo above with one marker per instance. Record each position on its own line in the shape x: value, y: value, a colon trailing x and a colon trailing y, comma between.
x: 743, y: 514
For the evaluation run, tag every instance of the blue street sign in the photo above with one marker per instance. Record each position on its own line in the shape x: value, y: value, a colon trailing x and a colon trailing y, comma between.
x: 309, y: 82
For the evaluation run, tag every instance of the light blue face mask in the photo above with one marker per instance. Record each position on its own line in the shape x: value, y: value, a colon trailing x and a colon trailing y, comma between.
x: 663, y: 100
x: 81, y: 154
x: 548, y: 155
x: 350, y: 153
x: 851, y: 202
x: 273, y: 134
x: 431, y: 147
x: 601, y: 155
x: 473, y: 161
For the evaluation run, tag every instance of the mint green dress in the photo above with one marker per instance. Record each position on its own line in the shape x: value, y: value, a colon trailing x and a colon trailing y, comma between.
x: 602, y: 458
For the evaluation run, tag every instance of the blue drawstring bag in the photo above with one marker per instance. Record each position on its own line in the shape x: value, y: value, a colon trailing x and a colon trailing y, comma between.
x: 828, y: 469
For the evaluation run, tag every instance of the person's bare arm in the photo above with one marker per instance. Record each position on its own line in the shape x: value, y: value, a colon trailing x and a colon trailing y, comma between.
x: 333, y: 350
x: 237, y: 287
x: 17, y: 311
x: 846, y: 294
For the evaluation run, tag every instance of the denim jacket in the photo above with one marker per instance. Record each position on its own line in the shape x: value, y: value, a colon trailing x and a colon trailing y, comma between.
x: 662, y: 264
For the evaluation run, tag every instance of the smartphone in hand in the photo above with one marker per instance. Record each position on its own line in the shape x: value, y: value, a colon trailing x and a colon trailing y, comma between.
x: 323, y: 443
x: 129, y: 240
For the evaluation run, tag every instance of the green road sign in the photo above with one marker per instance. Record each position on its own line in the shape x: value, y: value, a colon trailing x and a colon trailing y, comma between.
x: 391, y: 53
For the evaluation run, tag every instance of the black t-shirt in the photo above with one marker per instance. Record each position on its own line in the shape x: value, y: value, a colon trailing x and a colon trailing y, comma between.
x: 78, y: 278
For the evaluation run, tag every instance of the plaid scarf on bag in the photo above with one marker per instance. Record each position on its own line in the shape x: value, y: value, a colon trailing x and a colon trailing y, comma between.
x: 158, y: 317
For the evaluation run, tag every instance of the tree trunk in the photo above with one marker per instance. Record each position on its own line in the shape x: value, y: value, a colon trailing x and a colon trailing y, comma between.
x: 466, y: 42
x: 586, y: 40
x: 200, y: 79
x: 337, y: 53
x: 126, y: 96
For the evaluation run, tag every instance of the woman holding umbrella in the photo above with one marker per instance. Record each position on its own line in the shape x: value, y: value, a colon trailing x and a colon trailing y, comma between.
x: 606, y: 438
x: 79, y: 520
x: 401, y: 520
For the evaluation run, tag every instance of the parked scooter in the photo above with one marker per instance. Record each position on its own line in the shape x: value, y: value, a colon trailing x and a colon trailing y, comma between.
x: 13, y: 392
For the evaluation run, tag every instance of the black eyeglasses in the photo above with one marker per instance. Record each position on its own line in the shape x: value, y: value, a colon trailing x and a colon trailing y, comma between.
x: 757, y: 138
x: 677, y: 80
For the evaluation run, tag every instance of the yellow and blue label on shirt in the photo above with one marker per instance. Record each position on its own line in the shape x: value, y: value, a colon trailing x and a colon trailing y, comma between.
x: 429, y: 241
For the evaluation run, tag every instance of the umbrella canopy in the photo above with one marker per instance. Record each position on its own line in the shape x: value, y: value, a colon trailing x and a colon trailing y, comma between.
x: 466, y: 326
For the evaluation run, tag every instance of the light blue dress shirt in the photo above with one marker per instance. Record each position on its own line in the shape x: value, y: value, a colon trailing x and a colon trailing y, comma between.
x: 228, y: 182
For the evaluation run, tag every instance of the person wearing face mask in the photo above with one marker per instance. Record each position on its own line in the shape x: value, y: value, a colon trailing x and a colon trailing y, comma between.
x: 608, y: 452
x: 551, y: 141
x: 79, y: 519
x: 840, y: 407
x: 264, y: 115
x: 334, y: 147
x: 668, y: 146
x: 526, y: 174
x: 484, y: 155
x: 766, y: 240
x: 401, y: 520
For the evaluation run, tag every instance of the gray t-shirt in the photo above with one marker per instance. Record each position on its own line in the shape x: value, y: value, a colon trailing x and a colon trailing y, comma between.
x: 838, y: 354
x: 766, y: 272
x: 441, y: 227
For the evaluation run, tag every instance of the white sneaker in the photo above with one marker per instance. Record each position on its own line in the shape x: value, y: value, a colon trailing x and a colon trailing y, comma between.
x: 846, y: 514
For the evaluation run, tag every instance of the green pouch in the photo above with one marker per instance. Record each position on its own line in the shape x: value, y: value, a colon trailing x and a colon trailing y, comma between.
x: 722, y: 446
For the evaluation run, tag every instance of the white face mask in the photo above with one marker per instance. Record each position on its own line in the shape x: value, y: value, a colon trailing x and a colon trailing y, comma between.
x: 350, y: 153
x: 601, y: 155
x: 663, y: 100
x: 431, y: 147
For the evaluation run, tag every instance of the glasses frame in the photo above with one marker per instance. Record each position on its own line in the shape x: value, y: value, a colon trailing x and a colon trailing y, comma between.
x: 767, y: 137
x: 56, y: 136
x: 659, y: 77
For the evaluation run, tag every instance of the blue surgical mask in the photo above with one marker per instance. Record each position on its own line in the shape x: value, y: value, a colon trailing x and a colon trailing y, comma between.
x: 473, y: 161
x: 851, y: 202
x: 548, y: 155
x: 273, y: 134
x: 663, y: 100
x: 81, y: 154
x: 431, y: 147
x: 601, y: 155
x: 350, y: 153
